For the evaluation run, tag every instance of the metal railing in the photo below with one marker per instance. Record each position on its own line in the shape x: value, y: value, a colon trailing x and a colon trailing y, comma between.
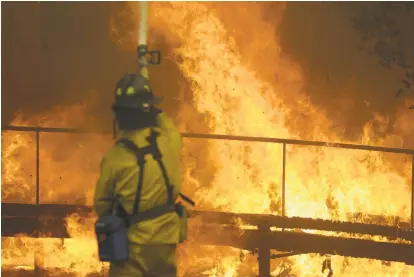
x: 284, y: 142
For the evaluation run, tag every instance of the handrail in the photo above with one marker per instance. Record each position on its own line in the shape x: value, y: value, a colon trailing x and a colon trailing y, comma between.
x: 225, y: 137
x: 284, y: 142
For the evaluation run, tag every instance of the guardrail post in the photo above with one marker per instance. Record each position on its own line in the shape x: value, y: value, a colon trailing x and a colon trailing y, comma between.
x: 264, y: 251
x: 37, y: 167
x: 284, y: 180
x: 412, y: 194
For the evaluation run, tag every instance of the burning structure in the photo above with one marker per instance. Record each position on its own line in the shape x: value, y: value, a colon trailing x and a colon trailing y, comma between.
x: 229, y: 76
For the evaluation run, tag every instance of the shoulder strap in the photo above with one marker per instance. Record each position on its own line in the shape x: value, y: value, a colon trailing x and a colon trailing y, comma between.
x: 156, y: 154
x: 140, y: 156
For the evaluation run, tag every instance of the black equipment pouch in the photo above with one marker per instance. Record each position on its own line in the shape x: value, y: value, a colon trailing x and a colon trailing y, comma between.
x: 112, y: 235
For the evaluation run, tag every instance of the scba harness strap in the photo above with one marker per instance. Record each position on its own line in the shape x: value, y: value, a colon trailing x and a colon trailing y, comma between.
x: 140, y: 154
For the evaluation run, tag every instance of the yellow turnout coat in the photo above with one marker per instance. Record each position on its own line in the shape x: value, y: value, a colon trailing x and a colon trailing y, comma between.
x: 119, y: 177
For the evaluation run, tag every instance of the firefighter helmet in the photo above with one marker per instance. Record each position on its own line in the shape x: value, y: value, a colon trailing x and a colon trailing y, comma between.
x: 133, y: 91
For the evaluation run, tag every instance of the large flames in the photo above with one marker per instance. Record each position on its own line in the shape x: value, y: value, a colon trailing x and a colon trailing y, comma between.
x: 230, y: 63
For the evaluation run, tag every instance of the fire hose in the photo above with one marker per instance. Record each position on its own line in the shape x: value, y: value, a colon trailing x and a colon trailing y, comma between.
x: 146, y: 57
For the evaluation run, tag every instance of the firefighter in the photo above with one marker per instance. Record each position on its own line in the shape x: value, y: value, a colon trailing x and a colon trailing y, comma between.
x: 142, y: 173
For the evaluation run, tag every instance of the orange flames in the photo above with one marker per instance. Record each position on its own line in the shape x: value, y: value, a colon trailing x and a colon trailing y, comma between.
x: 229, y: 63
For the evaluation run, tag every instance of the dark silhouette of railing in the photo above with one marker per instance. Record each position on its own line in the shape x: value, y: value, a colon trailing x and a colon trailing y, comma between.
x: 251, y: 239
x: 284, y: 142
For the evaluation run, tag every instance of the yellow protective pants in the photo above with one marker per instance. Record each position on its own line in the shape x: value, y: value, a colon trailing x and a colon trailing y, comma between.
x: 147, y: 261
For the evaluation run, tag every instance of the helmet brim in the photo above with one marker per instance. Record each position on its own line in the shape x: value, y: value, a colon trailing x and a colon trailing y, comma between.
x: 156, y: 100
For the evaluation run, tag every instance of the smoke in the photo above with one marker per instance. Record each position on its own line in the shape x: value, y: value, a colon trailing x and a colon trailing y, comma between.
x: 62, y: 54
x: 57, y: 54
x: 341, y: 78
